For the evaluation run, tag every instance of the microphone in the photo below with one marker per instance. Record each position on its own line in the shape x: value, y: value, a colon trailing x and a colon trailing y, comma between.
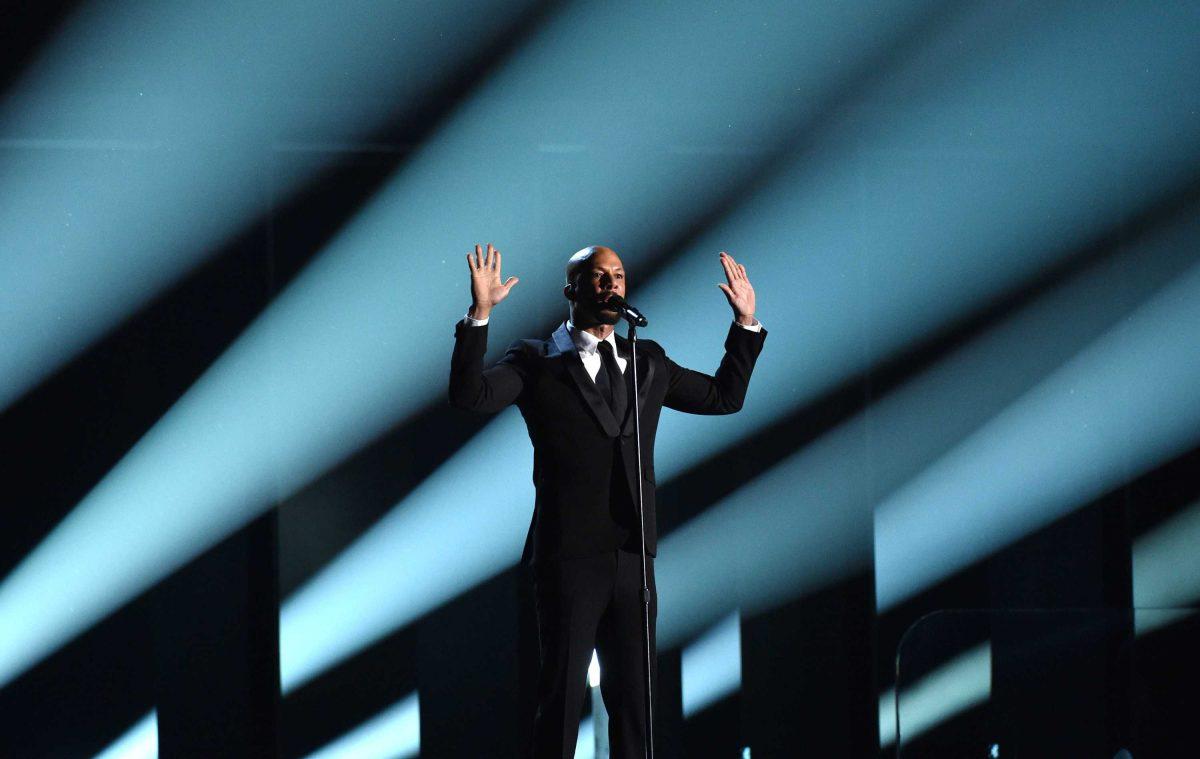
x: 627, y: 312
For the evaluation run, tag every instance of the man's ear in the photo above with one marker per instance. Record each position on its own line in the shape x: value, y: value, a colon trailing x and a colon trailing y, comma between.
x: 569, y: 291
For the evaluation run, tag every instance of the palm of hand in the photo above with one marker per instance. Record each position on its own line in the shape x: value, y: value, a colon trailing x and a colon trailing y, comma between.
x: 487, y: 288
x: 738, y: 290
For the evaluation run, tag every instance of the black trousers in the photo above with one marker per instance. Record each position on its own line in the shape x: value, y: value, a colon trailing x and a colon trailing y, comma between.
x: 585, y: 603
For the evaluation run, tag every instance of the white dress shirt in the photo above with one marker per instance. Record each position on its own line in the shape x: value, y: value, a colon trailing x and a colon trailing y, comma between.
x: 589, y: 349
x: 587, y: 344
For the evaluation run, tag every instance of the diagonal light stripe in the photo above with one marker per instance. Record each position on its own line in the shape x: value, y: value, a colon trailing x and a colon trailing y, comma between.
x: 394, y: 733
x: 343, y: 354
x: 1164, y: 576
x: 1166, y: 572
x: 585, y: 742
x: 148, y: 134
x: 808, y: 520
x: 964, y: 682
x: 138, y: 742
x: 915, y: 425
x: 960, y: 684
x: 1115, y: 410
x: 952, y: 183
x: 974, y: 210
x: 400, y: 569
x: 711, y: 666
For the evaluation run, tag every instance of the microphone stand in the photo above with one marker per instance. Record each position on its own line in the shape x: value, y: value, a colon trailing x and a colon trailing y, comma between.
x: 637, y: 435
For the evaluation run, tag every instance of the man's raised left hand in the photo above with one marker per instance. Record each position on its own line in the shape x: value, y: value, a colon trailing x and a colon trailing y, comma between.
x: 739, y: 292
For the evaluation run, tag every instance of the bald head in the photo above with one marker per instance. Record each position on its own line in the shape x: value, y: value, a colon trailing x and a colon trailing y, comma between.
x: 582, y: 259
x: 593, y: 274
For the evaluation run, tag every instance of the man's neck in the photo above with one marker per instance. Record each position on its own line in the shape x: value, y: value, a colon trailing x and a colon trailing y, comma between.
x: 599, y: 331
x: 596, y: 329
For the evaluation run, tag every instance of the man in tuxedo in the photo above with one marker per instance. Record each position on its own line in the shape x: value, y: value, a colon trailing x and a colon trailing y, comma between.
x: 575, y: 392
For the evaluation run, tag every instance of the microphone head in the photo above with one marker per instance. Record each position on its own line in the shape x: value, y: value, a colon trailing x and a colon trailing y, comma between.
x: 628, y: 312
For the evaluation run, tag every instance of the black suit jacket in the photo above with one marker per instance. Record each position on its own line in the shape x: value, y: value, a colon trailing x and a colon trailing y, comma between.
x: 584, y: 459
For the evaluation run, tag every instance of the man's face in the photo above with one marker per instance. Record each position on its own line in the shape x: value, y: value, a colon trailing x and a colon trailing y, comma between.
x: 602, y: 276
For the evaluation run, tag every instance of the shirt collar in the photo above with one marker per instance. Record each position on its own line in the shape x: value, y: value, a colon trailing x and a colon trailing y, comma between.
x: 587, y: 343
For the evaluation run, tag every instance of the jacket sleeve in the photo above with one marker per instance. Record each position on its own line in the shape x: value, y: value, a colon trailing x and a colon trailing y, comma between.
x: 471, y: 386
x: 696, y: 393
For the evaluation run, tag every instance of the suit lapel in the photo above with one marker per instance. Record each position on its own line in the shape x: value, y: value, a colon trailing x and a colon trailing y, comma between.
x: 563, y: 344
x: 645, y: 374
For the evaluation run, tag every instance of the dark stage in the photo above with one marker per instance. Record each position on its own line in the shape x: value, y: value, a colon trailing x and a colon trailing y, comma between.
x: 955, y: 514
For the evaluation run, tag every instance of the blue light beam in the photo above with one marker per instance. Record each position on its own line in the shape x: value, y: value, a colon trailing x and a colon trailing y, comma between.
x: 1166, y: 572
x: 394, y: 733
x: 138, y: 742
x: 957, y: 686
x: 956, y: 180
x: 148, y: 134
x: 1122, y: 405
x: 711, y: 666
x: 342, y: 354
x: 1166, y: 577
x: 805, y: 209
x: 800, y: 525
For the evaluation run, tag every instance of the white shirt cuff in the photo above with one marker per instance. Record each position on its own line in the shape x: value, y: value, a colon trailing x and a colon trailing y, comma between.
x: 755, y: 327
x: 474, y: 322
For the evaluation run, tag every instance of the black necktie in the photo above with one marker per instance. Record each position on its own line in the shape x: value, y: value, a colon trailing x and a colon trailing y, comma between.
x: 610, y: 382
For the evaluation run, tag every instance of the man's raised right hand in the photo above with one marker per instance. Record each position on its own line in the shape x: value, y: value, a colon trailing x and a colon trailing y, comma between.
x: 486, y: 288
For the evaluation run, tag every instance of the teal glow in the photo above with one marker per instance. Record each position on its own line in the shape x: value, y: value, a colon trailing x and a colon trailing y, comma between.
x: 1166, y: 569
x: 964, y: 682
x: 802, y: 524
x: 891, y: 190
x: 981, y: 140
x: 1166, y: 572
x: 138, y: 742
x: 712, y: 666
x: 147, y: 135
x: 343, y: 354
x: 394, y: 733
x: 952, y: 181
x: 789, y: 532
x: 359, y: 597
x: 585, y: 743
x: 1146, y: 621
x: 953, y: 688
x: 1012, y: 361
x: 1165, y: 577
x: 1122, y: 405
x: 887, y: 718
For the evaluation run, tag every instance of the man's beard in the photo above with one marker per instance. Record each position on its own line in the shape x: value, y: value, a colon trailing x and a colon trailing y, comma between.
x: 605, y: 315
x: 598, y: 313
